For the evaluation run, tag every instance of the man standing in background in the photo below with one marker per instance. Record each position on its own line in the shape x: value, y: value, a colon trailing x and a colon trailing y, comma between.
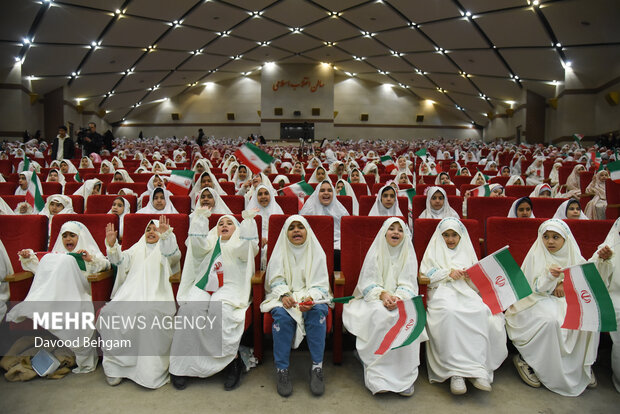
x: 63, y: 145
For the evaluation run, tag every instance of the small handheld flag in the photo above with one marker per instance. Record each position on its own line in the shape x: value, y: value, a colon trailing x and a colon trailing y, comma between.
x: 408, y: 327
x: 388, y: 163
x: 80, y: 260
x: 252, y: 156
x: 345, y: 299
x: 213, y: 278
x: 180, y: 182
x: 614, y: 171
x: 300, y: 190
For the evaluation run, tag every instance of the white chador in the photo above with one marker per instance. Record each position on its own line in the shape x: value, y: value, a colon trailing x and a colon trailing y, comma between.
x: 204, y: 355
x: 561, y: 358
x: 314, y: 207
x: 465, y: 339
x: 610, y: 271
x: 58, y: 278
x: 443, y: 212
x: 393, y: 270
x: 299, y: 270
x: 142, y: 276
x: 5, y: 269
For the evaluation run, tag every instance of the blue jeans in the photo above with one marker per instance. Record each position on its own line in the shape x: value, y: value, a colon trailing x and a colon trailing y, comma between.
x: 283, y: 330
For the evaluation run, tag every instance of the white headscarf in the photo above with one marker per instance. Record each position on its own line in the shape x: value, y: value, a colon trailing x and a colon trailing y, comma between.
x: 348, y: 190
x: 219, y: 207
x: 554, y: 175
x: 540, y: 188
x: 89, y: 163
x: 512, y: 213
x: 265, y: 212
x: 125, y: 175
x: 61, y: 177
x: 475, y: 177
x: 28, y: 176
x: 560, y: 213
x: 86, y: 189
x: 121, y: 217
x: 313, y: 207
x: 85, y: 239
x: 72, y: 169
x: 539, y: 259
x: 443, y: 212
x: 378, y: 209
x: 235, y: 179
x: 58, y: 198
x: 150, y: 209
x: 119, y: 162
x: 110, y: 166
x: 439, y: 256
x: 513, y: 179
x: 314, y: 179
x: 393, y: 269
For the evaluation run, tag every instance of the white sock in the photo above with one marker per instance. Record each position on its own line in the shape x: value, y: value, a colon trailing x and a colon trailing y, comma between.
x: 317, y: 365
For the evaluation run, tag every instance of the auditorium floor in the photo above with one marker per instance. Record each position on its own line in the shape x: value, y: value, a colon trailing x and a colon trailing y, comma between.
x: 345, y: 393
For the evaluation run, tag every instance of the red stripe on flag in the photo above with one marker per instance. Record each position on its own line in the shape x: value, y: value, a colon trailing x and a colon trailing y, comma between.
x: 241, y: 159
x: 394, y: 330
x: 177, y: 189
x: 484, y: 285
x: 573, y: 304
x: 30, y: 199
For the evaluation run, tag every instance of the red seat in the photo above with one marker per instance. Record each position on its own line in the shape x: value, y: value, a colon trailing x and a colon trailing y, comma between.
x: 585, y: 178
x: 138, y: 188
x: 101, y: 204
x: 427, y: 179
x: 8, y: 188
x: 499, y: 180
x: 140, y: 177
x: 289, y: 204
x: 360, y: 189
x: 419, y: 205
x: 370, y: 179
x: 77, y: 201
x: 519, y: 191
x: 105, y: 178
x: 366, y: 203
x: 51, y: 188
x: 612, y: 190
x: 95, y: 223
x: 236, y: 203
x: 12, y: 178
x: 466, y: 187
x: 589, y: 234
x: 546, y: 207
x: 459, y: 180
x: 13, y: 200
x: 5, y: 167
x: 450, y: 189
x: 518, y: 233
x: 323, y: 228
x: 71, y: 187
x: 479, y: 208
x: 228, y: 187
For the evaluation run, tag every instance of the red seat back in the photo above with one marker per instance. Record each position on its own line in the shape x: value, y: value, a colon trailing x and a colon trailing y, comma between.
x: 106, y: 178
x: 546, y: 207
x: 77, y: 201
x: 228, y: 187
x: 51, y: 188
x: 450, y: 189
x: 23, y: 232
x: 71, y: 187
x: 523, y: 233
x: 589, y: 234
x: 585, y: 178
x: 519, y: 191
x: 360, y: 189
x: 235, y: 203
x: 140, y: 177
x: 366, y: 203
x: 322, y: 226
x: 138, y: 188
x: 423, y: 230
x: 8, y: 188
x: 101, y: 204
x: 95, y: 223
x: 499, y: 180
x: 135, y: 224
x: 459, y: 180
x: 289, y: 204
x: 13, y: 200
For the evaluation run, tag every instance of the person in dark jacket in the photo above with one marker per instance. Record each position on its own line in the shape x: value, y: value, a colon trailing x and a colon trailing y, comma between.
x: 63, y: 146
x: 91, y: 141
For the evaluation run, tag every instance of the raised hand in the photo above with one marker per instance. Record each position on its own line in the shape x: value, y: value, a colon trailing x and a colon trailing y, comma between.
x: 164, y: 224
x: 605, y: 253
x: 24, y: 253
x: 110, y: 234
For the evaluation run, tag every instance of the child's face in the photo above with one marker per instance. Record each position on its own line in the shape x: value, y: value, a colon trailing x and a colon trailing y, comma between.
x: 497, y: 192
x: 573, y: 211
x: 402, y: 163
x: 339, y: 187
x: 320, y: 174
x: 355, y: 176
x: 243, y: 174
x: 297, y: 233
x: 297, y: 169
x: 151, y: 234
x: 451, y: 238
x: 444, y: 179
x: 23, y: 184
x: 105, y: 169
x: 437, y: 201
x: 479, y: 180
x: 545, y: 194
x: 64, y: 167
x: 69, y: 240
x: 395, y: 234
x: 53, y: 177
x: 225, y: 228
x: 159, y: 201
x: 55, y: 208
x: 553, y: 241
x: 505, y: 173
x: 118, y: 207
x: 96, y: 189
x: 158, y: 182
x: 403, y: 179
x: 206, y: 199
x: 524, y: 210
x: 114, y: 163
x: 388, y: 198
x: 263, y: 197
x: 118, y: 178
x: 200, y: 168
x: 326, y: 194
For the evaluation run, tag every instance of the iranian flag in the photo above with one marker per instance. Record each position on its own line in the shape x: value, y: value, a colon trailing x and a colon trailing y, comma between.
x: 500, y: 280
x: 421, y: 153
x: 33, y: 196
x: 578, y: 138
x: 614, y: 171
x: 589, y: 307
x: 77, y: 177
x: 252, y: 156
x: 180, y: 182
x: 409, y: 193
x: 482, y: 191
x: 388, y: 163
x: 213, y: 279
x: 300, y: 190
x: 595, y: 159
x: 26, y: 165
x: 408, y: 327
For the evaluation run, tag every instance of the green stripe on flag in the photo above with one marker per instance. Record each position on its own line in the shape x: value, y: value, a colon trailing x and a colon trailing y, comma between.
x: 77, y: 177
x: 420, y: 323
x: 202, y: 283
x: 344, y: 299
x: 26, y: 165
x: 264, y: 157
x: 80, y: 260
x: 183, y: 173
x: 39, y: 204
x: 306, y: 188
x: 516, y: 278
x: 421, y: 153
x: 605, y: 306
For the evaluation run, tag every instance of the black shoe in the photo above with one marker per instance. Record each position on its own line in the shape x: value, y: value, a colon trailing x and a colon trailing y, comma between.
x: 233, y: 374
x: 285, y: 386
x: 317, y: 386
x: 178, y: 381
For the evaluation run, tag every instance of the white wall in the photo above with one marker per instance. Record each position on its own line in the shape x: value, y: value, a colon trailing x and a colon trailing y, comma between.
x: 18, y: 114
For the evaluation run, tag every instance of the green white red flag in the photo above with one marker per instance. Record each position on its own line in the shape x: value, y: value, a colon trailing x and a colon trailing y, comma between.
x: 388, y: 163
x: 499, y: 280
x: 252, y: 156
x: 482, y: 191
x: 300, y: 190
x: 408, y: 327
x: 213, y: 279
x: 589, y: 307
x: 614, y: 171
x: 180, y: 182
x: 34, y: 195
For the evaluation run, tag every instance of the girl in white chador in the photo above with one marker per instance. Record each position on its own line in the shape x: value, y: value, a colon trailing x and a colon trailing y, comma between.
x: 560, y: 359
x: 465, y: 339
x: 265, y: 203
x: 62, y: 278
x: 142, y: 276
x: 218, y: 268
x: 386, y: 203
x: 388, y: 275
x: 610, y: 272
x: 437, y: 205
x: 297, y: 272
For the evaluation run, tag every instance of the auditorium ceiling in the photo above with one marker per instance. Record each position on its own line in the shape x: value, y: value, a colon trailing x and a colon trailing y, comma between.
x: 472, y: 57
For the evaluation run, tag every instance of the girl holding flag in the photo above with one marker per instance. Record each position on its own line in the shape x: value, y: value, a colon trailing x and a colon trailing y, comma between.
x: 465, y: 339
x: 388, y: 276
x: 219, y: 266
x: 558, y: 358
